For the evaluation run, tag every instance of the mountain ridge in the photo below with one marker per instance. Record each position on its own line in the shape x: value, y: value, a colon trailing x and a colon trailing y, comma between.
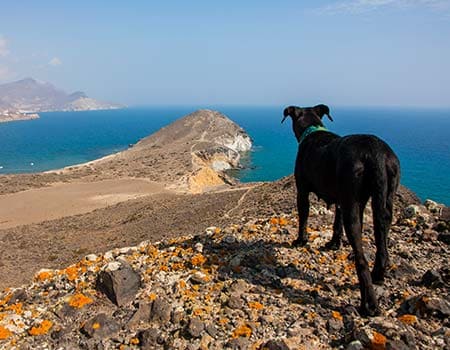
x: 26, y: 97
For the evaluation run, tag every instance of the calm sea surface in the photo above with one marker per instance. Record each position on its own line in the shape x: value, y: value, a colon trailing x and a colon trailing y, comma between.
x: 420, y: 137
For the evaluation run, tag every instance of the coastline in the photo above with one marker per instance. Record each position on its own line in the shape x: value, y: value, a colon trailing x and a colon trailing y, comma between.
x: 16, y: 116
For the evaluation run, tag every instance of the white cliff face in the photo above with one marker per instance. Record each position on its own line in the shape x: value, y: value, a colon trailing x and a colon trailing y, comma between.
x: 239, y: 143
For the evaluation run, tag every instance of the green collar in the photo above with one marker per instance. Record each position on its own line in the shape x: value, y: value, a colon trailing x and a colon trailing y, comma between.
x: 310, y: 130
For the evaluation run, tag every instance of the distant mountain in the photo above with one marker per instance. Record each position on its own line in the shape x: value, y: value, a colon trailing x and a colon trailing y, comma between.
x: 32, y: 96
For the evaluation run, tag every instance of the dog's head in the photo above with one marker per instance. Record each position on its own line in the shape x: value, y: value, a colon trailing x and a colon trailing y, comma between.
x: 302, y: 118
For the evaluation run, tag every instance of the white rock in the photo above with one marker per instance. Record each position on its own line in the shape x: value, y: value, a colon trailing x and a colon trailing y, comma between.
x: 113, y: 266
x: 198, y: 247
x: 91, y: 257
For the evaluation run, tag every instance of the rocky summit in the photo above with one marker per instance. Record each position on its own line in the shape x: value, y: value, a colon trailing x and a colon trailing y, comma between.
x: 242, y: 286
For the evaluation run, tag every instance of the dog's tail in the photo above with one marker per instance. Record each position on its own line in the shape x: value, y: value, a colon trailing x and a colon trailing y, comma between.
x: 384, y: 183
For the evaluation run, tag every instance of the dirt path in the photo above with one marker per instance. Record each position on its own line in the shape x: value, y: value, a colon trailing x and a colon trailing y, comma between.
x: 67, y: 199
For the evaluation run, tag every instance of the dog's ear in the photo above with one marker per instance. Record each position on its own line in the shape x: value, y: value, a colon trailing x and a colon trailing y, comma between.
x: 293, y: 111
x: 322, y: 110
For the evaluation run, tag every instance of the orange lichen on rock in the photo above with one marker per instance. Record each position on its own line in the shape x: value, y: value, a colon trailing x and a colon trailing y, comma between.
x: 71, y: 272
x: 16, y: 308
x: 336, y: 315
x: 79, y: 300
x: 198, y: 260
x: 255, y: 305
x: 4, y: 333
x: 242, y: 331
x: 42, y: 329
x: 134, y: 341
x: 96, y: 325
x: 44, y: 275
x: 152, y: 296
x: 408, y: 319
x: 378, y: 341
x: 274, y: 221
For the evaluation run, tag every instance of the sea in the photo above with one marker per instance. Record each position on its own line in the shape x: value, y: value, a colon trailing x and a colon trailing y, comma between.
x: 420, y: 138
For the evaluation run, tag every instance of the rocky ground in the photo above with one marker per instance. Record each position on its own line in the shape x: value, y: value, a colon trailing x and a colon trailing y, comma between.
x: 241, y: 286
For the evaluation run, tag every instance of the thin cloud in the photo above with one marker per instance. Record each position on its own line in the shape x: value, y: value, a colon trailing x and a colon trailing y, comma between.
x: 361, y: 6
x: 3, y: 47
x: 55, y: 61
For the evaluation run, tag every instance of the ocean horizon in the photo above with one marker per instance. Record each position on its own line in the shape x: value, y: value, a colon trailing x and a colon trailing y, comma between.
x: 419, y: 136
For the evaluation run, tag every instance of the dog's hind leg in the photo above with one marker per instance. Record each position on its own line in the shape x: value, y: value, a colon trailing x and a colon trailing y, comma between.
x: 303, y: 211
x: 338, y: 229
x: 382, y: 218
x: 352, y: 224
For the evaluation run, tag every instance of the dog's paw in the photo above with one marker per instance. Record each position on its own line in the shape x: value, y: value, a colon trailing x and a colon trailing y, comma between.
x: 377, y: 277
x: 369, y: 310
x: 332, y: 245
x: 299, y: 242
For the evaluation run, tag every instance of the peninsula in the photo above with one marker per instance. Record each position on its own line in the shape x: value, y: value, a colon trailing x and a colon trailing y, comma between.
x: 24, y: 99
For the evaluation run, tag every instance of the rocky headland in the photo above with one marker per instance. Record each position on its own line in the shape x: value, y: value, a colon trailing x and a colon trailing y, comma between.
x: 208, y: 263
x: 24, y: 99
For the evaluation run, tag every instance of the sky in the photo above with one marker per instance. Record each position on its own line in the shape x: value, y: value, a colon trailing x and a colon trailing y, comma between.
x: 342, y: 52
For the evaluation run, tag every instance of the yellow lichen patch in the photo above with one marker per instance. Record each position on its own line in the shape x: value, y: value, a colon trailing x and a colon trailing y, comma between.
x: 16, y: 308
x: 134, y: 341
x: 96, y: 325
x: 223, y: 321
x: 152, y: 296
x: 198, y: 260
x: 4, y: 333
x: 408, y: 319
x: 44, y: 275
x: 79, y: 300
x: 255, y: 305
x: 283, y: 222
x: 42, y: 329
x: 242, y: 331
x: 274, y: 221
x: 336, y: 315
x: 71, y: 272
x: 378, y: 341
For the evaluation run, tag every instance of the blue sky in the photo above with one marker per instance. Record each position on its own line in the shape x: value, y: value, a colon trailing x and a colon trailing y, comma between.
x: 344, y: 52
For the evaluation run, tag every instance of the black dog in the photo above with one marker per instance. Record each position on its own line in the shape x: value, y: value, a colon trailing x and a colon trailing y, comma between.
x: 346, y: 171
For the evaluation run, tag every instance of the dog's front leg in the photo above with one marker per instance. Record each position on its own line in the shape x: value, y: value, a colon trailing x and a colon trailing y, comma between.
x: 303, y: 212
x: 335, y: 242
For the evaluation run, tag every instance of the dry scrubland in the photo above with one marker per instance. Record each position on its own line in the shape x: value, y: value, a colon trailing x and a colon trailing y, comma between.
x: 208, y: 262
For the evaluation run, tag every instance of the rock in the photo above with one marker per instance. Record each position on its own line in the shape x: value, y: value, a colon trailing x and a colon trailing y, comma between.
x: 19, y: 295
x: 229, y: 239
x: 334, y: 325
x: 444, y: 237
x: 142, y: 314
x: 119, y: 282
x: 100, y: 326
x: 355, y: 345
x: 150, y: 339
x: 212, y: 330
x: 274, y: 345
x: 411, y: 211
x: 161, y: 311
x: 238, y: 344
x: 195, y: 327
x: 423, y: 306
x: 396, y: 344
x: 234, y: 302
x: 432, y: 206
x: 198, y: 247
x: 199, y: 278
x: 433, y: 279
x: 429, y: 235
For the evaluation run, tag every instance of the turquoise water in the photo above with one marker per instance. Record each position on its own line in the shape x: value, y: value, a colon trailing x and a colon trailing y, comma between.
x: 420, y: 137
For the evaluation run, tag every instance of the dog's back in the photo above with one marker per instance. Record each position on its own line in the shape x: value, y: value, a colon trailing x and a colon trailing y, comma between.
x: 332, y: 165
